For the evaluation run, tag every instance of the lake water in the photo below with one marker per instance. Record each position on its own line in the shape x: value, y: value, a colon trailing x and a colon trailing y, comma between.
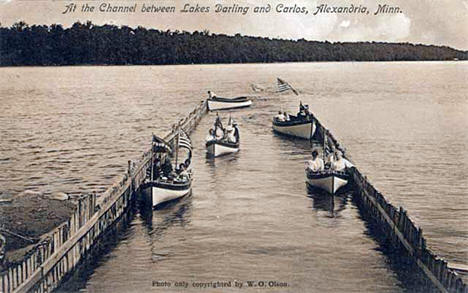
x: 72, y: 130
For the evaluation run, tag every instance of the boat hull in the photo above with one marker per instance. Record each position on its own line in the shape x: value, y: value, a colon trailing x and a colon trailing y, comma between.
x: 330, y: 182
x: 214, y: 105
x: 301, y: 130
x: 161, y: 193
x: 216, y: 149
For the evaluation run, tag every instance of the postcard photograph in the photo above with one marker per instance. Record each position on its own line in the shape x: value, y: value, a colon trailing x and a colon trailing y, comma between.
x: 233, y: 146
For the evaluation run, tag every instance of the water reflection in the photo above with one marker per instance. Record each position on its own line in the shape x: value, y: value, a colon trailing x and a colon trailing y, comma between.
x: 170, y: 213
x: 211, y: 162
x: 333, y: 204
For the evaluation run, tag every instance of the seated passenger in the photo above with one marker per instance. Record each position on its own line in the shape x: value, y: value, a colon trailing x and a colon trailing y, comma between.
x: 301, y: 114
x: 280, y: 116
x: 286, y: 116
x: 340, y: 164
x: 219, y: 133
x: 187, y: 163
x: 230, y: 135
x: 211, y: 135
x: 330, y: 157
x: 166, y: 167
x: 301, y: 107
x: 236, y: 131
x: 307, y: 113
x: 183, y: 174
x: 211, y: 95
x: 316, y: 164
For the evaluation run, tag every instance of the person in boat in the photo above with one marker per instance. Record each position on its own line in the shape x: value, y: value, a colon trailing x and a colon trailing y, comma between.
x: 340, y: 164
x: 316, y: 164
x: 167, y: 167
x: 187, y: 163
x: 157, y: 169
x: 219, y: 133
x: 280, y: 116
x: 211, y: 135
x: 230, y: 135
x: 183, y: 174
x: 236, y: 131
x: 308, y: 115
x: 286, y: 116
x: 301, y: 114
x: 218, y: 128
x: 330, y: 156
x: 211, y: 95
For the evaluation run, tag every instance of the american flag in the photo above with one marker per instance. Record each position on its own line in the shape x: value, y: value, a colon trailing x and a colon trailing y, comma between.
x: 284, y: 86
x: 159, y: 145
x: 184, y: 141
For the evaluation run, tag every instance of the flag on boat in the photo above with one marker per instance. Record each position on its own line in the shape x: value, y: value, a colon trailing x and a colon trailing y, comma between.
x: 284, y: 86
x: 184, y: 141
x: 159, y: 145
x: 326, y: 145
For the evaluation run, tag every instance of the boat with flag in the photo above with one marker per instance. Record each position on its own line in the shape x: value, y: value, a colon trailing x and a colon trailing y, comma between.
x: 216, y: 103
x: 223, y: 141
x: 170, y: 181
x: 300, y: 126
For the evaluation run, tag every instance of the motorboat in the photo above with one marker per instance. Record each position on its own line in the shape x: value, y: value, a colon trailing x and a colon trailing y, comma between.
x: 333, y: 174
x: 302, y: 127
x: 216, y: 148
x: 329, y: 180
x: 167, y: 183
x: 223, y: 141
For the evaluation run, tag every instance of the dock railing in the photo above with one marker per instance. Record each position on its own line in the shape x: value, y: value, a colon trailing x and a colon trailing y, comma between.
x: 399, y: 229
x: 59, y: 252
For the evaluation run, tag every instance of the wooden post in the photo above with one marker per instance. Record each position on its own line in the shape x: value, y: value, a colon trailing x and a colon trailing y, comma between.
x: 4, y: 285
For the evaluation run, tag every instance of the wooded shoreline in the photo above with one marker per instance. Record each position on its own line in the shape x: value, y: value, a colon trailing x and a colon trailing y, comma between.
x: 89, y: 44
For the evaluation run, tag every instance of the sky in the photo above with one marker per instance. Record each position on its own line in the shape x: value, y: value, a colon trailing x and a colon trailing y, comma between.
x: 419, y: 21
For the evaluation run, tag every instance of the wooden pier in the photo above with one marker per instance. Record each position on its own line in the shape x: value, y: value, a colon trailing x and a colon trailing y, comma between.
x: 399, y: 229
x: 60, y: 251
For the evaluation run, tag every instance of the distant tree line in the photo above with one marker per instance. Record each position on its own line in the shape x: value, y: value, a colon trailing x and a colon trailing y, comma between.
x: 85, y: 43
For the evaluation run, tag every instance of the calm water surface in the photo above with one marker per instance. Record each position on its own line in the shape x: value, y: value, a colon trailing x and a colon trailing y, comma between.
x: 72, y: 129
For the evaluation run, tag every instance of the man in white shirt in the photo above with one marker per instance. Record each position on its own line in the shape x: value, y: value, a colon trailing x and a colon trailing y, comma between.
x: 211, y: 95
x: 230, y: 135
x: 340, y: 164
x: 280, y: 116
x: 210, y: 135
x: 316, y: 164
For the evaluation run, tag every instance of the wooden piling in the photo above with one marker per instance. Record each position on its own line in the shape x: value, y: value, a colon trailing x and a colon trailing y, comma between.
x: 403, y: 232
x: 60, y: 251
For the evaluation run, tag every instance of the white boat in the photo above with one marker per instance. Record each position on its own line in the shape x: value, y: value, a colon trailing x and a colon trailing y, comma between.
x: 328, y: 180
x: 216, y: 148
x: 163, y: 190
x: 164, y: 185
x: 218, y: 103
x: 295, y: 127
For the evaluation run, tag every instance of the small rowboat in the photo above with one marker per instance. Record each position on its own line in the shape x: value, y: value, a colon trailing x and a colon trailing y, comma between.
x: 295, y: 127
x: 216, y: 148
x: 218, y: 103
x: 327, y: 180
x: 165, y: 190
x: 164, y: 184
